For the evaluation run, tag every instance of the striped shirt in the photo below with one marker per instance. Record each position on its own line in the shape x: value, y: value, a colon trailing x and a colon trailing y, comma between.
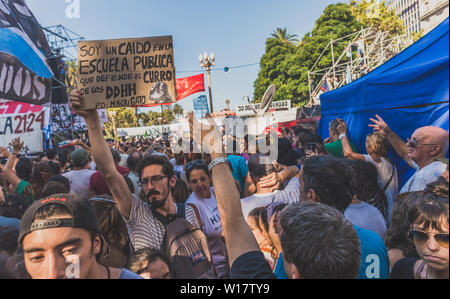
x: 145, y: 229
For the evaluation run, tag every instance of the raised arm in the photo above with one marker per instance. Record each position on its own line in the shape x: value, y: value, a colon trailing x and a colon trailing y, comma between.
x: 83, y: 145
x: 348, y: 151
x: 239, y: 239
x: 10, y: 175
x: 103, y: 157
x: 397, y: 143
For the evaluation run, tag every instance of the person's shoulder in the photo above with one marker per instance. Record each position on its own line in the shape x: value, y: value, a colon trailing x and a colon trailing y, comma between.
x: 438, y: 167
x: 191, y: 199
x: 12, y: 222
x: 123, y: 170
x: 251, y: 265
x: 333, y: 144
x: 370, y: 239
x: 127, y: 274
x: 404, y: 268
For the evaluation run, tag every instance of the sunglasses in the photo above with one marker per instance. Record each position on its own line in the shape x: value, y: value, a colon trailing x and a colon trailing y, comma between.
x: 190, y: 165
x: 412, y: 143
x: 421, y: 238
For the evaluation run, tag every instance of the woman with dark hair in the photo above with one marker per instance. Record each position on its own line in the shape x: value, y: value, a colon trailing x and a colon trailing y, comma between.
x: 429, y: 230
x: 396, y: 237
x: 31, y: 189
x: 204, y: 204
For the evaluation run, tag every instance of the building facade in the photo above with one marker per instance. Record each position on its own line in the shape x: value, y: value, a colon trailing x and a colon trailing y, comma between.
x: 420, y: 15
x: 409, y: 13
x: 432, y: 13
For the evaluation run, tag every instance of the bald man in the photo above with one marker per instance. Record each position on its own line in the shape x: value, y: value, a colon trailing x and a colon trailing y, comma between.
x: 420, y: 152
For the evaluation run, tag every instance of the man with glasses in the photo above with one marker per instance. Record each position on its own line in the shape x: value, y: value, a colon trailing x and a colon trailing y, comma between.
x: 146, y: 218
x: 420, y: 151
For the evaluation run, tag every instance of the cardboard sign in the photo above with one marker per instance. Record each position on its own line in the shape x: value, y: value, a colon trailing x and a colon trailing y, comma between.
x: 127, y: 72
x: 23, y: 120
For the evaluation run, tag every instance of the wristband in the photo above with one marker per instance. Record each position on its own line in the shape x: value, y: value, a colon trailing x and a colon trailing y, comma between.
x: 342, y: 136
x: 217, y: 161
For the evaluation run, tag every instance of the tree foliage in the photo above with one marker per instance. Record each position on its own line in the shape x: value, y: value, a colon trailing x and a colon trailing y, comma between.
x: 377, y: 15
x: 282, y: 35
x: 286, y: 64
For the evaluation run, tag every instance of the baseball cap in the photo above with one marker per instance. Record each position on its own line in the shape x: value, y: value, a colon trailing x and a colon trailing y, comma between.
x: 83, y: 215
x: 442, y: 160
x: 80, y: 157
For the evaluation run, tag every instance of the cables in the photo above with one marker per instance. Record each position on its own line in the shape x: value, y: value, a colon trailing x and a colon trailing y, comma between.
x: 225, y: 69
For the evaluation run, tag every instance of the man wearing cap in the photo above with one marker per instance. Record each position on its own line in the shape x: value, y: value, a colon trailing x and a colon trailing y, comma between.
x: 80, y: 176
x: 420, y: 152
x: 60, y: 239
x: 146, y: 218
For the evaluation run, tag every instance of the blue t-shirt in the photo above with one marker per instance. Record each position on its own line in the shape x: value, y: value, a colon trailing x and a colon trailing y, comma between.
x: 240, y: 169
x: 127, y: 274
x: 13, y: 222
x: 374, y: 256
x: 279, y: 271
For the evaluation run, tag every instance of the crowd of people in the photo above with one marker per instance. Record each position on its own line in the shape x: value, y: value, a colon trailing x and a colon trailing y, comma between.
x: 137, y: 209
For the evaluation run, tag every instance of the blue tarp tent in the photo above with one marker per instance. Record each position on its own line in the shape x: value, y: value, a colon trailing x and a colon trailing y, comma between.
x: 409, y: 91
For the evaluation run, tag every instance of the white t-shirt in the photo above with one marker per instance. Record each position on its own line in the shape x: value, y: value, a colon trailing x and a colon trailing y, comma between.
x: 385, y: 169
x: 212, y: 227
x: 289, y: 195
x: 424, y: 176
x: 79, y: 181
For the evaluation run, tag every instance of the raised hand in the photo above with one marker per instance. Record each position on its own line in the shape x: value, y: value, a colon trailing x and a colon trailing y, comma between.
x: 380, y: 125
x: 271, y: 182
x: 342, y: 128
x: 76, y: 99
x: 209, y: 137
x: 17, y: 145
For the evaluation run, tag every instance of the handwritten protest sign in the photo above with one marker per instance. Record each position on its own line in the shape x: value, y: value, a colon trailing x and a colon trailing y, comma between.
x: 127, y: 72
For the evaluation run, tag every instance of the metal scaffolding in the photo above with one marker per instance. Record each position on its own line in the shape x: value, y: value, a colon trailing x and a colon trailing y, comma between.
x: 64, y: 45
x: 364, y: 51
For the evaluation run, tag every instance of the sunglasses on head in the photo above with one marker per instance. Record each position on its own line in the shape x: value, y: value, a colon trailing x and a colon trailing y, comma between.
x: 199, y: 163
x: 421, y: 238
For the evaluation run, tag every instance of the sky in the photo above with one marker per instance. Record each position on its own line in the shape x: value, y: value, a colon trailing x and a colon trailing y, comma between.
x: 234, y: 30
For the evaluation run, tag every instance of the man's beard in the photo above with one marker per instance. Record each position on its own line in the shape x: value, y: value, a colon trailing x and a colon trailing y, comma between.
x: 155, y: 203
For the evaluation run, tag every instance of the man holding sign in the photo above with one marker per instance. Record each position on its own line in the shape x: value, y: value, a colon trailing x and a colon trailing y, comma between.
x: 127, y: 72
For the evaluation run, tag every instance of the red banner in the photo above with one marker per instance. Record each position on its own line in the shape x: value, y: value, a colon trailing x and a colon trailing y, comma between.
x: 190, y: 85
x: 186, y: 87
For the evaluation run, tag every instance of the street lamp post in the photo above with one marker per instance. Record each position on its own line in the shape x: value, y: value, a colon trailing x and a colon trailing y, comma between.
x: 206, y: 62
x: 227, y: 103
